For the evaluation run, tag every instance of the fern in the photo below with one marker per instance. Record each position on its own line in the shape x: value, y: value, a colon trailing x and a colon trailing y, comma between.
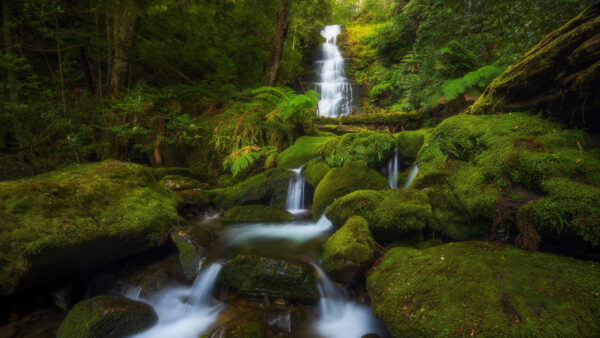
x: 476, y: 80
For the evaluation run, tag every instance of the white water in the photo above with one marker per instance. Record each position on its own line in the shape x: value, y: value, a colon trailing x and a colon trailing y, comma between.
x: 392, y: 170
x: 295, y: 195
x: 414, y: 170
x: 340, y: 317
x: 186, y: 311
x: 298, y: 232
x: 334, y: 87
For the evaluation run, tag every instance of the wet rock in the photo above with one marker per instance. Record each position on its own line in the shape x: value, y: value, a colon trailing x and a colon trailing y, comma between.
x: 314, y: 171
x: 195, y: 201
x: 256, y: 213
x: 192, y: 254
x: 147, y: 280
x: 256, y: 276
x: 177, y: 183
x: 268, y: 188
x: 107, y: 316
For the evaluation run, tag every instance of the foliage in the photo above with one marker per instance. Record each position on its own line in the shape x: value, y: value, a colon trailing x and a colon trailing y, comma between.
x: 370, y: 147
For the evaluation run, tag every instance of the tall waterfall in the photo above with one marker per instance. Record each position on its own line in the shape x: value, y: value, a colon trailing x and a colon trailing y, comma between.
x: 392, y: 170
x: 295, y: 195
x: 334, y: 87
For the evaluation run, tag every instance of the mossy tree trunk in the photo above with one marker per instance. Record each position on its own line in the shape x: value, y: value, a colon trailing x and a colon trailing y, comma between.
x: 280, y: 35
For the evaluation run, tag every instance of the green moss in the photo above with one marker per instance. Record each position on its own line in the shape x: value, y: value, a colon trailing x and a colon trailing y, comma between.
x: 259, y: 276
x: 341, y: 181
x: 195, y: 197
x: 268, y: 188
x: 107, y: 316
x: 160, y: 173
x: 391, y: 214
x: 191, y: 253
x: 47, y: 215
x: 350, y: 251
x: 410, y: 142
x: 314, y: 171
x: 176, y: 183
x: 389, y: 118
x: 372, y: 148
x: 484, y: 289
x: 256, y: 213
x: 303, y: 150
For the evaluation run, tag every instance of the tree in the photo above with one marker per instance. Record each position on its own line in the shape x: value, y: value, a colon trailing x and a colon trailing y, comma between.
x: 280, y: 34
x: 124, y: 36
x: 7, y: 18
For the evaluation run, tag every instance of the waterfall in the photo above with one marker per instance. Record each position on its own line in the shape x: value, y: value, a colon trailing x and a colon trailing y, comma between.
x: 335, y: 89
x: 295, y: 196
x: 186, y: 312
x: 414, y: 170
x: 392, y: 170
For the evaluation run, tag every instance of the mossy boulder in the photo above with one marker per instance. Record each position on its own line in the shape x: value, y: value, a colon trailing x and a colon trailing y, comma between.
x: 191, y: 253
x: 350, y: 251
x: 268, y: 188
x: 160, y: 173
x: 176, y: 183
x: 410, y: 142
x: 96, y: 212
x: 302, y: 151
x: 560, y: 76
x: 314, y: 171
x: 257, y: 277
x: 256, y: 213
x: 341, y: 181
x: 391, y: 214
x: 482, y: 288
x: 370, y: 147
x: 107, y: 316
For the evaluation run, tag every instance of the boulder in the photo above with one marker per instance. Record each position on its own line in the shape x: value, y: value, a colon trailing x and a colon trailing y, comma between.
x: 268, y: 188
x: 191, y: 253
x: 341, y: 181
x: 350, y: 251
x: 107, y: 316
x: 177, y: 183
x: 98, y: 213
x: 481, y: 288
x: 302, y: 151
x: 257, y: 277
x: 256, y: 213
x: 370, y: 147
x: 195, y: 201
x: 410, y: 142
x: 314, y: 171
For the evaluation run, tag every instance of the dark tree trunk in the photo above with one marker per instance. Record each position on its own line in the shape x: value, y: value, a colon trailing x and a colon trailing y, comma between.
x: 86, y: 68
x: 124, y: 34
x: 280, y: 35
x: 9, y: 45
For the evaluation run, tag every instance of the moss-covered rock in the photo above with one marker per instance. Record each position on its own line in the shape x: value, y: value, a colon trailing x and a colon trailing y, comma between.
x: 314, y: 171
x: 256, y: 276
x: 371, y: 147
x: 375, y: 119
x: 160, y: 173
x: 194, y: 200
x: 96, y: 212
x: 485, y: 289
x: 410, y: 142
x: 391, y: 214
x: 176, y: 183
x: 560, y: 76
x: 191, y: 253
x: 302, y: 151
x: 341, y: 181
x: 256, y: 213
x: 350, y: 251
x: 107, y: 316
x: 268, y: 188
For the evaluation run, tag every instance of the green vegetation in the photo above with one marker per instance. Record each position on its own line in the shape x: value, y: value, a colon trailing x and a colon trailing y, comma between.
x: 302, y: 151
x: 371, y: 148
x: 484, y: 289
x: 314, y: 171
x: 256, y: 213
x: 268, y: 188
x: 410, y: 142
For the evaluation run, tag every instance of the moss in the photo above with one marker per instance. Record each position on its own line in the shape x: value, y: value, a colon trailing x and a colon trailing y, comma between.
x: 341, y: 181
x: 481, y: 288
x: 256, y: 213
x: 194, y: 197
x: 191, y: 253
x: 350, y: 251
x: 314, y: 171
x: 303, y: 150
x: 391, y: 214
x: 372, y: 148
x: 176, y: 183
x: 107, y: 316
x: 259, y: 276
x: 410, y: 142
x: 268, y: 188
x: 112, y: 208
x: 160, y: 173
x: 389, y: 118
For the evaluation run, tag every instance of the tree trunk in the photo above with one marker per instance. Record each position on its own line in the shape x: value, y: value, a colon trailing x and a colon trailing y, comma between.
x: 280, y: 35
x: 7, y: 18
x: 124, y: 31
x: 86, y: 68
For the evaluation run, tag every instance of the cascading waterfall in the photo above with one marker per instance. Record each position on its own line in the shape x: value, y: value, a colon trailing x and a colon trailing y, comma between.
x: 414, y: 170
x: 334, y: 87
x: 186, y: 312
x: 392, y: 170
x: 295, y: 196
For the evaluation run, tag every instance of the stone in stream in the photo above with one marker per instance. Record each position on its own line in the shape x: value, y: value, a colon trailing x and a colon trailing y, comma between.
x: 350, y: 251
x: 107, y: 316
x: 256, y: 213
x: 267, y: 188
x: 303, y: 150
x: 177, y: 183
x: 256, y: 276
x: 192, y: 244
x: 195, y: 201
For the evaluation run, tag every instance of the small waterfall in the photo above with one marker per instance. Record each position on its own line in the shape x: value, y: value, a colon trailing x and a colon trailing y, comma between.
x: 414, y: 170
x: 335, y: 89
x: 186, y: 312
x: 392, y: 170
x: 295, y: 195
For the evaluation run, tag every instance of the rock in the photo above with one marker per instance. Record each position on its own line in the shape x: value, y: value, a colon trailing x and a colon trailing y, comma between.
x: 195, y: 201
x: 191, y: 254
x: 268, y: 188
x: 107, y: 316
x: 485, y: 289
x: 256, y: 276
x: 410, y: 142
x: 349, y: 252
x: 176, y: 183
x: 391, y: 214
x: 160, y: 173
x: 372, y: 148
x: 147, y: 280
x: 341, y: 181
x: 559, y: 77
x: 302, y: 151
x: 8, y: 331
x: 97, y: 212
x: 314, y: 171
x: 256, y: 213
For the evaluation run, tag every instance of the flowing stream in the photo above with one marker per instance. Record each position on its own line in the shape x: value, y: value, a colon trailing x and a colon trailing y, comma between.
x: 392, y: 170
x: 334, y: 87
x: 295, y: 195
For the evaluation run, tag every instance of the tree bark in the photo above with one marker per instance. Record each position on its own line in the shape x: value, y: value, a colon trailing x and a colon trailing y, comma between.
x: 7, y: 22
x: 280, y: 35
x: 86, y: 68
x: 124, y: 34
